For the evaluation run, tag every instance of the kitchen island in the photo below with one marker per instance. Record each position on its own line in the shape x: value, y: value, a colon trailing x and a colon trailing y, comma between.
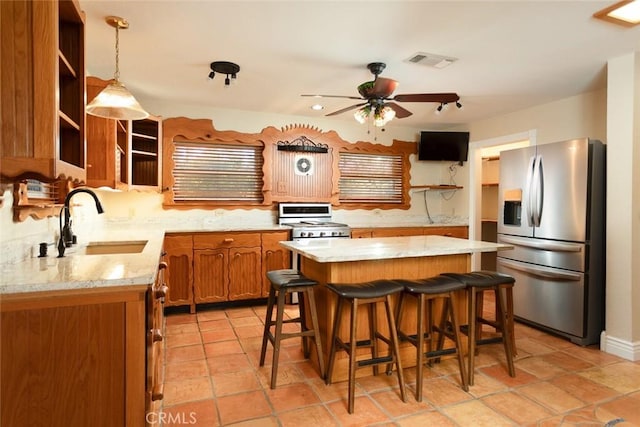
x: 361, y: 260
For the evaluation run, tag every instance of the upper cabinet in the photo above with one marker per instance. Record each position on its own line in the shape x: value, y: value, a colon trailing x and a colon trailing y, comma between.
x: 43, y: 87
x: 122, y: 153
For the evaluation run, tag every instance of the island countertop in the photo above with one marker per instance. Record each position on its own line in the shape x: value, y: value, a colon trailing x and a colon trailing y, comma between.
x: 377, y: 248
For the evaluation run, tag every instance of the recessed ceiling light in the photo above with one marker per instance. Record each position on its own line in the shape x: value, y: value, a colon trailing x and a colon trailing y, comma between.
x: 626, y: 13
x: 317, y: 107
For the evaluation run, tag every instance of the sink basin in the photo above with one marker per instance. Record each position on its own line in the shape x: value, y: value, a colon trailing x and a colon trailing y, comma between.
x: 116, y: 247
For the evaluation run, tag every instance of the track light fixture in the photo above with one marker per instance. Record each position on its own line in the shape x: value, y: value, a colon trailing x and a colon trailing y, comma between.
x: 229, y: 69
x: 442, y: 106
x: 459, y: 105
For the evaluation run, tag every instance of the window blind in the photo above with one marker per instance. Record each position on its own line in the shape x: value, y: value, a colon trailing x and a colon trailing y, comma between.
x: 220, y: 172
x: 369, y: 178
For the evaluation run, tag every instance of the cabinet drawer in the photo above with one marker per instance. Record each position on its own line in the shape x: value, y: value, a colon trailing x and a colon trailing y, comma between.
x: 225, y: 240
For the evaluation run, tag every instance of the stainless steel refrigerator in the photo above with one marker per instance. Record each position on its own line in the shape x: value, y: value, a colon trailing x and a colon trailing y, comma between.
x: 552, y: 210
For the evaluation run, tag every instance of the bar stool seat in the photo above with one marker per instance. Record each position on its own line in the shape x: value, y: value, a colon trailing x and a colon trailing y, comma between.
x: 477, y: 282
x: 427, y: 291
x: 368, y: 293
x: 284, y: 282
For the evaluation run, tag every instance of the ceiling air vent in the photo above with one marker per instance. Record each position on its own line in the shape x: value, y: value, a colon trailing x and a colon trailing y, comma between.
x: 431, y: 60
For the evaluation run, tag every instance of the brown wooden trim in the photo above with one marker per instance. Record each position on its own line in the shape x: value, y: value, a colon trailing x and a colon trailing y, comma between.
x: 203, y: 130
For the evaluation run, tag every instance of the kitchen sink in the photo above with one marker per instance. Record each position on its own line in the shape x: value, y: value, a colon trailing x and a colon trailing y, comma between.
x: 115, y: 247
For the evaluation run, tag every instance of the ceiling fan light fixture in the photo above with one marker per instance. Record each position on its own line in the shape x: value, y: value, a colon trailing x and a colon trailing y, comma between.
x: 625, y: 13
x: 361, y: 115
x: 115, y: 101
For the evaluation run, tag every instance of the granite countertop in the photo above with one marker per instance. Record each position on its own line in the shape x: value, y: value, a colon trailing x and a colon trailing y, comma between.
x: 342, y: 250
x: 78, y: 270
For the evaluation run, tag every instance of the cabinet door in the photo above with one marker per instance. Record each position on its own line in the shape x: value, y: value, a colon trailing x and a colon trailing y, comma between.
x: 274, y: 256
x: 211, y: 275
x: 245, y: 273
x: 179, y: 274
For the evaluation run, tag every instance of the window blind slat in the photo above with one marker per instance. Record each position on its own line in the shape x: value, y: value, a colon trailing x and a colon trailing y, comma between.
x: 368, y: 178
x: 204, y: 172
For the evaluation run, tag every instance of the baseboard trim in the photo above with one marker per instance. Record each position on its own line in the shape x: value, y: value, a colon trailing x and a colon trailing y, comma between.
x: 619, y: 347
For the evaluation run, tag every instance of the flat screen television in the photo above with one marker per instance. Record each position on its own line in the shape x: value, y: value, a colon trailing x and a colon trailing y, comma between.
x: 437, y: 145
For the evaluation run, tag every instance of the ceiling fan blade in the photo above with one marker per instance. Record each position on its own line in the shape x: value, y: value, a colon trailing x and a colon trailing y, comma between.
x: 334, y: 96
x: 353, y: 107
x: 427, y: 97
x: 383, y: 87
x: 401, y: 112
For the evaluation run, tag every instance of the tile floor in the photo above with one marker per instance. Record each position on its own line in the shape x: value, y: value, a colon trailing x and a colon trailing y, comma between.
x: 212, y: 378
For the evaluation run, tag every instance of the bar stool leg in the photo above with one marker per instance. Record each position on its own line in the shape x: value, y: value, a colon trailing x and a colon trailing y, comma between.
x: 302, y: 309
x: 456, y: 333
x: 420, y: 347
x: 373, y: 333
x: 316, y: 329
x: 352, y: 354
x: 471, y: 336
x: 278, y: 334
x: 334, y: 336
x: 506, y: 334
x: 267, y: 324
x: 393, y: 334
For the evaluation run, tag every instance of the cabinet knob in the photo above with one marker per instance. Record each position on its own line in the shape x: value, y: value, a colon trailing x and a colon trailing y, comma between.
x: 161, y: 292
x: 156, y: 335
x: 158, y: 392
x: 162, y: 265
x: 228, y: 240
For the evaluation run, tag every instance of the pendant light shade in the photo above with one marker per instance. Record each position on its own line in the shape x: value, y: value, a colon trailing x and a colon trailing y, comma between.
x: 115, y: 101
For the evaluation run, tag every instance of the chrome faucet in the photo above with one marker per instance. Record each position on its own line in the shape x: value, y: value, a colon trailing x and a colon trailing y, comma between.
x: 66, y: 235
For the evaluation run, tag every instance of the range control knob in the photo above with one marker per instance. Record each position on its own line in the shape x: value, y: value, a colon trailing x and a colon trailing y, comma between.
x: 310, y: 234
x: 322, y: 234
x: 303, y: 234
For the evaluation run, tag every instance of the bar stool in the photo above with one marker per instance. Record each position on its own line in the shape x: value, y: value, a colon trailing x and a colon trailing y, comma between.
x: 477, y: 283
x: 284, y: 282
x: 428, y: 291
x: 369, y: 293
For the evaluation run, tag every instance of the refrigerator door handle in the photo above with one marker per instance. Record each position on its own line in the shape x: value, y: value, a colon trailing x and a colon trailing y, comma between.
x: 538, y: 182
x: 529, y: 186
x: 542, y: 245
x: 545, y: 272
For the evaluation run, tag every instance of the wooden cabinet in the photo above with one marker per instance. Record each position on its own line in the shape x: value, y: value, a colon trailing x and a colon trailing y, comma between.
x: 227, y: 266
x: 179, y: 274
x: 449, y: 231
x: 156, y: 296
x: 122, y: 153
x: 73, y: 358
x: 224, y: 266
x: 43, y: 89
x: 274, y: 256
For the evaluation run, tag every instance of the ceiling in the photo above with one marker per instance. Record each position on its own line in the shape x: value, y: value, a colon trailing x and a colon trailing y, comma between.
x: 510, y: 55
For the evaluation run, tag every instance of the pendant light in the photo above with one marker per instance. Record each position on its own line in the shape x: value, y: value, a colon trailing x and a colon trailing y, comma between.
x: 115, y: 101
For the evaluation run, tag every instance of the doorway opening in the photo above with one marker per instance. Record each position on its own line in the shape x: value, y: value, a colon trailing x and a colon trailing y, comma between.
x: 484, y: 178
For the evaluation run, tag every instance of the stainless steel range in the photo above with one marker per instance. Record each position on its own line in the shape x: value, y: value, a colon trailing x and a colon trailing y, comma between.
x: 311, y: 221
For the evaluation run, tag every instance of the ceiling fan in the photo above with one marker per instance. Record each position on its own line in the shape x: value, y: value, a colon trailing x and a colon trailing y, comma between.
x: 377, y: 96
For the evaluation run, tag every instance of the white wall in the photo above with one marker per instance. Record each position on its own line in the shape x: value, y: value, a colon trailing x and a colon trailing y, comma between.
x: 622, y: 335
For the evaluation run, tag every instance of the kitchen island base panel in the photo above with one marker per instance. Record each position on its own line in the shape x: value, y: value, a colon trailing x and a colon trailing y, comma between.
x: 368, y: 270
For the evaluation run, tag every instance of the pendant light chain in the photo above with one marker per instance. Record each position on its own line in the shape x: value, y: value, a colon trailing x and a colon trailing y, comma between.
x: 116, y: 75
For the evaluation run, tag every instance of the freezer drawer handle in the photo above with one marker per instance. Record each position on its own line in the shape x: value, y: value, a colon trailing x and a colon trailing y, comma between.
x: 547, y: 246
x: 540, y: 272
